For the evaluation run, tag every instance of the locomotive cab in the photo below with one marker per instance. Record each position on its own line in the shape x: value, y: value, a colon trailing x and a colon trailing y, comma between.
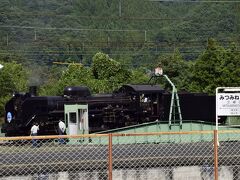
x: 146, y: 100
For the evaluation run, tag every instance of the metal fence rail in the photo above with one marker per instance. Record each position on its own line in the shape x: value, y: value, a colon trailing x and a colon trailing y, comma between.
x: 162, y: 155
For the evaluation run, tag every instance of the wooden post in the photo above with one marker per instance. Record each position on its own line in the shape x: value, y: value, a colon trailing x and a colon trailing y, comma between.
x: 110, y: 157
x: 216, y: 154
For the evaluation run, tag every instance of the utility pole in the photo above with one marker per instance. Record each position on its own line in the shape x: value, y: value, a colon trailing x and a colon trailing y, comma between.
x: 7, y: 39
x: 108, y: 41
x: 35, y: 35
x: 120, y: 7
x: 145, y: 35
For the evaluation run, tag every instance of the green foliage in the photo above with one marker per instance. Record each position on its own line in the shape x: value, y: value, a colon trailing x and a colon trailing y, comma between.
x: 51, y: 85
x: 155, y: 29
x: 166, y: 24
x: 13, y: 78
x: 176, y: 68
x: 105, y: 75
x: 140, y: 76
x: 103, y: 66
x: 231, y: 67
x: 216, y: 67
x: 74, y: 75
x: 106, y: 69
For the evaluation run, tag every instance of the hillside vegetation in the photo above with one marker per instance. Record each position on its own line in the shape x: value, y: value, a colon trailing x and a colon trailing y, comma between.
x: 106, y: 43
x: 134, y: 31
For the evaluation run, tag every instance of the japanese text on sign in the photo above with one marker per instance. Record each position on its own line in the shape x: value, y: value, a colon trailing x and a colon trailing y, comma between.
x: 228, y: 104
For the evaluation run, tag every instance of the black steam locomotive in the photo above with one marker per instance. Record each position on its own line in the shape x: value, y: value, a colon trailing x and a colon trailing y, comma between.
x: 129, y: 105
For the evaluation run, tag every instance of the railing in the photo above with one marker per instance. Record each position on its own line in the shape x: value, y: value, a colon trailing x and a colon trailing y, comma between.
x: 161, y: 155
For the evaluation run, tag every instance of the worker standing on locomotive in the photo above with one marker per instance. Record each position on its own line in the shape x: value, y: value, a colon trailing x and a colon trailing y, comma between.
x: 61, y: 131
x: 34, y: 132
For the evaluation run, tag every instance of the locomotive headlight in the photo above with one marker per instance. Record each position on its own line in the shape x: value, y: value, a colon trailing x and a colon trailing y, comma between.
x: 9, y: 117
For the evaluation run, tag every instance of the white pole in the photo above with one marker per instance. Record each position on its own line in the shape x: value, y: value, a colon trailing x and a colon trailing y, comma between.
x: 217, y: 108
x: 217, y: 114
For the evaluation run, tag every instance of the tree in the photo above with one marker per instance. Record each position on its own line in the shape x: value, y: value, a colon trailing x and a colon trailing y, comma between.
x: 74, y: 75
x: 176, y: 68
x: 108, y: 70
x: 51, y: 85
x: 140, y: 76
x: 105, y: 75
x: 216, y: 67
x: 13, y: 78
x: 231, y: 67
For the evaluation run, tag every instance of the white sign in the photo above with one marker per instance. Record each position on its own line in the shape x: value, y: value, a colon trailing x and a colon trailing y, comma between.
x: 228, y: 104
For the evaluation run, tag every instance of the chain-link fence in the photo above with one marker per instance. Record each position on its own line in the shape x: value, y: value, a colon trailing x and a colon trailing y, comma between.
x: 160, y: 156
x: 54, y: 158
x: 229, y: 154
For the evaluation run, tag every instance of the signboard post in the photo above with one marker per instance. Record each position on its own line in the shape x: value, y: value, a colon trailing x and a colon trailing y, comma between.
x: 227, y: 104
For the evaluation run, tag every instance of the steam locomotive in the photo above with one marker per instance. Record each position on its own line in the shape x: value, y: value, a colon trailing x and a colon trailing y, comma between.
x: 128, y: 105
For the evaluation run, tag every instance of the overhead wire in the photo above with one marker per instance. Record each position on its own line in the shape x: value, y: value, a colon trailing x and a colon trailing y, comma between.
x: 92, y: 29
x: 89, y: 17
x: 91, y: 53
x: 57, y: 53
x: 83, y: 46
x: 71, y: 29
x: 197, y: 1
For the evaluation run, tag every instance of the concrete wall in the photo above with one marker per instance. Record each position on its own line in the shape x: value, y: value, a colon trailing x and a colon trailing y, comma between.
x: 178, y: 173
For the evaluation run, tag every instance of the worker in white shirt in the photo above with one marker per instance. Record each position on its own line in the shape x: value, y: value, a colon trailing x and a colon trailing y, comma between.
x: 34, y: 132
x: 61, y: 131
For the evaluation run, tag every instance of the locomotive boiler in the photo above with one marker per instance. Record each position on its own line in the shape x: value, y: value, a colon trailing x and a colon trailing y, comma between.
x: 129, y: 105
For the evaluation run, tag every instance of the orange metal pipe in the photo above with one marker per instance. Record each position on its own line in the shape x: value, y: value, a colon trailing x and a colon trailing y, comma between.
x: 52, y: 137
x: 110, y: 157
x: 115, y: 134
x: 163, y: 133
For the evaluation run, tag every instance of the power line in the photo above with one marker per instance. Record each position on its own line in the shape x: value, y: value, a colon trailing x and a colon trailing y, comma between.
x: 91, y: 45
x: 90, y: 17
x: 196, y: 1
x: 116, y: 44
x: 121, y: 53
x: 72, y: 29
x: 206, y: 31
x: 66, y: 52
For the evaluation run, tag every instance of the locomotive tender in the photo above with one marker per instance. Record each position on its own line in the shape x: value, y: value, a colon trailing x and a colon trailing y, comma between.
x: 129, y: 105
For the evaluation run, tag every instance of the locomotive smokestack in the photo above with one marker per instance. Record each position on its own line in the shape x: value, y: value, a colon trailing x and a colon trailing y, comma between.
x: 33, y: 90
